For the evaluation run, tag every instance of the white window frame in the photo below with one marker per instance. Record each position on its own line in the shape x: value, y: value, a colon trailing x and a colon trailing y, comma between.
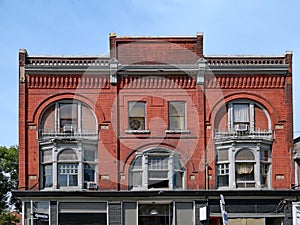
x: 173, y: 103
x: 145, y: 170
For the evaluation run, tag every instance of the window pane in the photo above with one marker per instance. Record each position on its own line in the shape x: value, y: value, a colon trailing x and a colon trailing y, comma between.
x: 68, y: 154
x: 245, y: 155
x: 223, y: 169
x: 177, y: 163
x: 68, y: 174
x: 47, y: 156
x: 137, y: 179
x: 89, y: 173
x: 62, y: 180
x: 223, y: 180
x: 89, y: 155
x: 176, y: 108
x: 68, y: 117
x: 158, y: 183
x: 157, y: 163
x: 68, y: 111
x: 137, y: 163
x: 158, y: 174
x: 137, y: 123
x: 176, y: 123
x: 136, y: 115
x: 222, y: 155
x: 240, y: 113
x: 177, y: 180
x: 136, y: 109
x: 244, y: 171
x: 48, y: 176
x: 73, y: 180
x: 176, y: 115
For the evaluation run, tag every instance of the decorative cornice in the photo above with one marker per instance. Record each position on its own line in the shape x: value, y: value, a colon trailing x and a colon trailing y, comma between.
x: 157, y: 82
x: 58, y: 81
x: 237, y: 82
x: 245, y: 60
x: 66, y: 61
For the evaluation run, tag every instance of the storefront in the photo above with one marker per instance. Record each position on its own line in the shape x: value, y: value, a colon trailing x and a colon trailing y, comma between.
x: 158, y: 207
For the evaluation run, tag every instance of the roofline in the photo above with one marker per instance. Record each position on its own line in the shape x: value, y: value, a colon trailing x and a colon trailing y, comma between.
x: 114, y: 35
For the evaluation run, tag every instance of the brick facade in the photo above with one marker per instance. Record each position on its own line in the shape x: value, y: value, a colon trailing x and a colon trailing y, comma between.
x: 158, y: 71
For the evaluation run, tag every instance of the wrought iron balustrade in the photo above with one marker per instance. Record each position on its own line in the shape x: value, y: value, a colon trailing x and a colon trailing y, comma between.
x: 47, y: 134
x: 249, y: 134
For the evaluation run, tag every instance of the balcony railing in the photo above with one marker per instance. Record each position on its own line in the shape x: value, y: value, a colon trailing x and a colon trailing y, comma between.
x: 47, y: 134
x: 255, y: 134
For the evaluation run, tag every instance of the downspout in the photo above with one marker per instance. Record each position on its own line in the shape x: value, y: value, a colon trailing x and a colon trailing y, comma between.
x: 113, y: 72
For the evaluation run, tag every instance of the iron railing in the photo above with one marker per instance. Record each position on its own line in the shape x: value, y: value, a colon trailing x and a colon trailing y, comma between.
x: 251, y: 134
x: 47, y: 134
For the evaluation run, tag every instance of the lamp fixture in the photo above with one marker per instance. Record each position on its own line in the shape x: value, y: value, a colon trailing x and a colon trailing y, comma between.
x: 153, y: 212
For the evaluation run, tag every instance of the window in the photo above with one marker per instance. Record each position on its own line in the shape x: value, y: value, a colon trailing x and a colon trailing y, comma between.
x: 67, y: 174
x: 223, y: 175
x: 89, y: 166
x: 158, y: 172
x: 243, y: 141
x: 33, y: 209
x: 136, y: 115
x: 265, y: 168
x: 74, y: 167
x: 67, y: 168
x: 69, y: 160
x: 156, y: 169
x: 244, y: 169
x: 68, y: 118
x: 241, y: 116
x: 177, y: 115
x: 48, y: 175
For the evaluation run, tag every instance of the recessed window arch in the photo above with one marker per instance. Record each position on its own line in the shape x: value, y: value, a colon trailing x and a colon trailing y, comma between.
x: 247, y: 115
x: 67, y: 117
x: 156, y: 169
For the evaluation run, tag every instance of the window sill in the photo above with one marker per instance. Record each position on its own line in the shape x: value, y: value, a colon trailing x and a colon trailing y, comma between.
x: 137, y: 131
x: 177, y: 131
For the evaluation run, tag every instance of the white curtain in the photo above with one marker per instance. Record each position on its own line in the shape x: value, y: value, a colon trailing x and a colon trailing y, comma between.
x: 240, y: 113
x: 244, y: 168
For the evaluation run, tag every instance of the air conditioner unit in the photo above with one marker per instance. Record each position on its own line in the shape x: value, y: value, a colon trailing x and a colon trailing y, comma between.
x: 241, y: 127
x: 91, y: 186
x: 136, y: 124
x: 68, y: 129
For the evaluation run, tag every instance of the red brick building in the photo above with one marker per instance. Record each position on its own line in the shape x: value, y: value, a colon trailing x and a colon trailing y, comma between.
x: 155, y: 132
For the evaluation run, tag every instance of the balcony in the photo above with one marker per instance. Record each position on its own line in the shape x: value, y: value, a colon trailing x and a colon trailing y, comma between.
x: 47, y: 134
x: 225, y: 134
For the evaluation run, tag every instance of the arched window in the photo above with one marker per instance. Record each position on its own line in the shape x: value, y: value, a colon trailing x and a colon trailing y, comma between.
x: 68, y: 145
x: 157, y: 169
x: 243, y: 139
x: 67, y: 118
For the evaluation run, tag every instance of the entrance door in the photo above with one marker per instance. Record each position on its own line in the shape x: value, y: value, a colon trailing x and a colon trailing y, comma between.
x: 155, y: 214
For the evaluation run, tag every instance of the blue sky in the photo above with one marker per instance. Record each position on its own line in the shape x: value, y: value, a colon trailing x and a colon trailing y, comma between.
x: 81, y: 27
